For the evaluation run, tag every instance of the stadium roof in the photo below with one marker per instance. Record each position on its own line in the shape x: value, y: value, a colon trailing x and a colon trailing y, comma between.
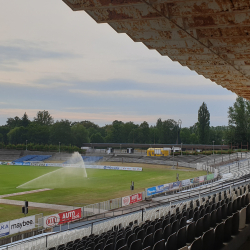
x: 211, y: 37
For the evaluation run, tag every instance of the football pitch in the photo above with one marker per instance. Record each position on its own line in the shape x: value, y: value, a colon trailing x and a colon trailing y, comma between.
x: 100, y: 185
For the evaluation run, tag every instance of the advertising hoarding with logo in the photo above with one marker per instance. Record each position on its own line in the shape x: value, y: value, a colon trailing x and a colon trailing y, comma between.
x: 23, y: 224
x: 4, y: 229
x: 177, y: 185
x: 210, y: 176
x: 62, y: 218
x: 201, y: 179
x: 128, y: 200
x: 194, y: 180
x: 159, y: 189
x: 185, y: 182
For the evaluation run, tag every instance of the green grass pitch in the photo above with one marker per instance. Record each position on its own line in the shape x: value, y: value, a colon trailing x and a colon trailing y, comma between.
x: 100, y: 185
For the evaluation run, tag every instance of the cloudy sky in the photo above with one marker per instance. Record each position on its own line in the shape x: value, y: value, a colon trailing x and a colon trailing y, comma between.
x: 54, y: 59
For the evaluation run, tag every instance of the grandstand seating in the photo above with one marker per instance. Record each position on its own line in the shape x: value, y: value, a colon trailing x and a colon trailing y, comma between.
x: 204, y: 223
x: 89, y: 159
x: 32, y: 158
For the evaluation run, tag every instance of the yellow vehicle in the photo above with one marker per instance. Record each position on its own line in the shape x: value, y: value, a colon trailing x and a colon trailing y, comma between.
x: 158, y: 152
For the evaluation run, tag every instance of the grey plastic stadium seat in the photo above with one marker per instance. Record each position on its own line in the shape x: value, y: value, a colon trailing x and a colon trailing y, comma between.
x: 136, y: 245
x: 148, y: 241
x: 197, y: 244
x: 167, y: 231
x: 191, y: 232
x: 123, y: 248
x: 224, y: 212
x: 183, y: 222
x: 157, y: 236
x: 206, y: 222
x: 109, y: 247
x: 147, y: 248
x: 248, y: 214
x: 213, y: 218
x: 199, y: 227
x: 171, y: 243
x: 242, y: 222
x: 175, y: 226
x: 99, y: 246
x: 160, y: 245
x: 228, y: 229
x: 208, y: 239
x: 165, y: 222
x: 130, y: 239
x: 235, y: 223
x: 150, y: 230
x: 121, y: 242
x: 181, y: 237
x: 219, y: 235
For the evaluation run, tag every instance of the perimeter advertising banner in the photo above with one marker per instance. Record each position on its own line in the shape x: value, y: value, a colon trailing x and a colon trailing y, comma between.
x: 23, y: 224
x: 159, y: 189
x: 62, y: 218
x: 210, y: 176
x: 185, y: 182
x: 113, y: 167
x: 128, y: 200
x: 177, y: 185
x: 4, y: 229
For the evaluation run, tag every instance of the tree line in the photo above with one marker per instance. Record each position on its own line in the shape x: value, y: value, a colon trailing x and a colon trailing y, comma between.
x: 43, y: 130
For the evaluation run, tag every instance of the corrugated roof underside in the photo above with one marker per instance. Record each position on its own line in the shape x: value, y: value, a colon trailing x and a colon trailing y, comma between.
x: 209, y: 37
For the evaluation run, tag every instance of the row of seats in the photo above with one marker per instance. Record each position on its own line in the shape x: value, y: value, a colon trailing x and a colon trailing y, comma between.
x: 205, y: 224
x: 33, y: 158
x: 185, y: 218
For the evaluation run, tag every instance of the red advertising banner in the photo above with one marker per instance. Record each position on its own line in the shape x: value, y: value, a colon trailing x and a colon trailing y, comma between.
x: 128, y: 200
x: 62, y: 218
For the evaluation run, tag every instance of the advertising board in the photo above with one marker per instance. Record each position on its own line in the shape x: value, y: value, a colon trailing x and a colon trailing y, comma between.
x: 176, y: 185
x: 128, y: 200
x: 159, y: 189
x: 185, y: 182
x: 23, y: 224
x: 194, y: 180
x: 201, y: 179
x: 210, y: 176
x: 113, y: 167
x: 62, y: 218
x: 4, y: 229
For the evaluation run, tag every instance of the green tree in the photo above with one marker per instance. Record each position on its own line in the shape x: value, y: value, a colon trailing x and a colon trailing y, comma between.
x: 185, y: 135
x: 144, y: 132
x: 44, y: 118
x: 37, y: 133
x: 203, y: 124
x: 17, y: 135
x: 97, y: 138
x: 61, y: 132
x: 79, y: 134
x: 13, y: 122
x: 25, y: 120
x: 4, y: 130
x: 238, y: 121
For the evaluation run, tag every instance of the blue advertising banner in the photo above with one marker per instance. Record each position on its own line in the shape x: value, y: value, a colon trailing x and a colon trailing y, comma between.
x: 4, y: 229
x: 155, y: 190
